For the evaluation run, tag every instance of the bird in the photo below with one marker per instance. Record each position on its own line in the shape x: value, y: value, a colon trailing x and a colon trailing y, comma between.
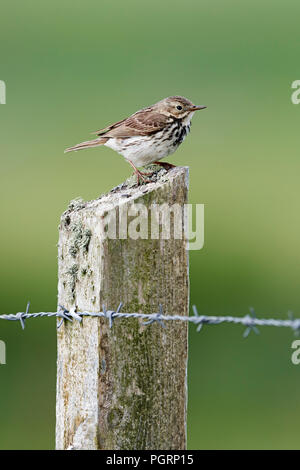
x: 148, y: 135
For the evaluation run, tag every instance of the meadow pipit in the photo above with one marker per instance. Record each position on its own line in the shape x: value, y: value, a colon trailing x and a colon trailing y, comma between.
x: 149, y: 134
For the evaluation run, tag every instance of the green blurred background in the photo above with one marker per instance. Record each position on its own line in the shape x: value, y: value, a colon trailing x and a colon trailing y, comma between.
x: 72, y: 67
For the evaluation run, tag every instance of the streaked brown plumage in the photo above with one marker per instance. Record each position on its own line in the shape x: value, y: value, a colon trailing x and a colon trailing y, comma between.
x: 149, y: 134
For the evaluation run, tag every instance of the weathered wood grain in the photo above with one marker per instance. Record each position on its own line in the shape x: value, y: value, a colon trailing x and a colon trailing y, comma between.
x: 125, y: 387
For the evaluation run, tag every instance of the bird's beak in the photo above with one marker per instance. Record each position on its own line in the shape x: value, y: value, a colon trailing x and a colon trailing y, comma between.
x: 197, y: 108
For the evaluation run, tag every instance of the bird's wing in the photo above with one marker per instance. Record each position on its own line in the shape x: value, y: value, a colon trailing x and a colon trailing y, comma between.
x: 145, y: 122
x: 108, y: 128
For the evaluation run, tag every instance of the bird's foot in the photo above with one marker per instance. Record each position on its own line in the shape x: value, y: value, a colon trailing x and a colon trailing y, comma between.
x: 141, y: 176
x: 167, y: 166
x: 145, y: 174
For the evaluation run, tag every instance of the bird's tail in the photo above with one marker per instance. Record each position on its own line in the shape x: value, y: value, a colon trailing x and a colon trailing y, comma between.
x: 88, y: 144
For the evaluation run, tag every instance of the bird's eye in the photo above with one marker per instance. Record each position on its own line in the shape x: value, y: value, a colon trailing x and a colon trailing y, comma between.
x: 179, y: 107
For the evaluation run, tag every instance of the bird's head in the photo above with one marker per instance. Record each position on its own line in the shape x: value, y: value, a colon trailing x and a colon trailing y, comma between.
x: 177, y: 107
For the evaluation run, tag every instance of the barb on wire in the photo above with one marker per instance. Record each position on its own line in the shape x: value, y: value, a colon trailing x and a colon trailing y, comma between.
x: 251, y: 325
x: 201, y: 319
x: 251, y: 322
x: 156, y: 317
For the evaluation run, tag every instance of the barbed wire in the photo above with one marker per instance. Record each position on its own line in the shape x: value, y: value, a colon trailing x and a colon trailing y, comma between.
x: 250, y: 320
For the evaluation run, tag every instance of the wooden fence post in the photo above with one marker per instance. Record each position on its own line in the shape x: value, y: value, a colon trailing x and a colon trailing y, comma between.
x: 123, y: 387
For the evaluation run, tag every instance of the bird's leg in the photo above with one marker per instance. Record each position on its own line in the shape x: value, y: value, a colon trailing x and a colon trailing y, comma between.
x: 167, y: 166
x: 139, y: 174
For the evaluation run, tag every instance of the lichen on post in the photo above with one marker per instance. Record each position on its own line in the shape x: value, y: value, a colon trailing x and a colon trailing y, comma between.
x: 122, y: 387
